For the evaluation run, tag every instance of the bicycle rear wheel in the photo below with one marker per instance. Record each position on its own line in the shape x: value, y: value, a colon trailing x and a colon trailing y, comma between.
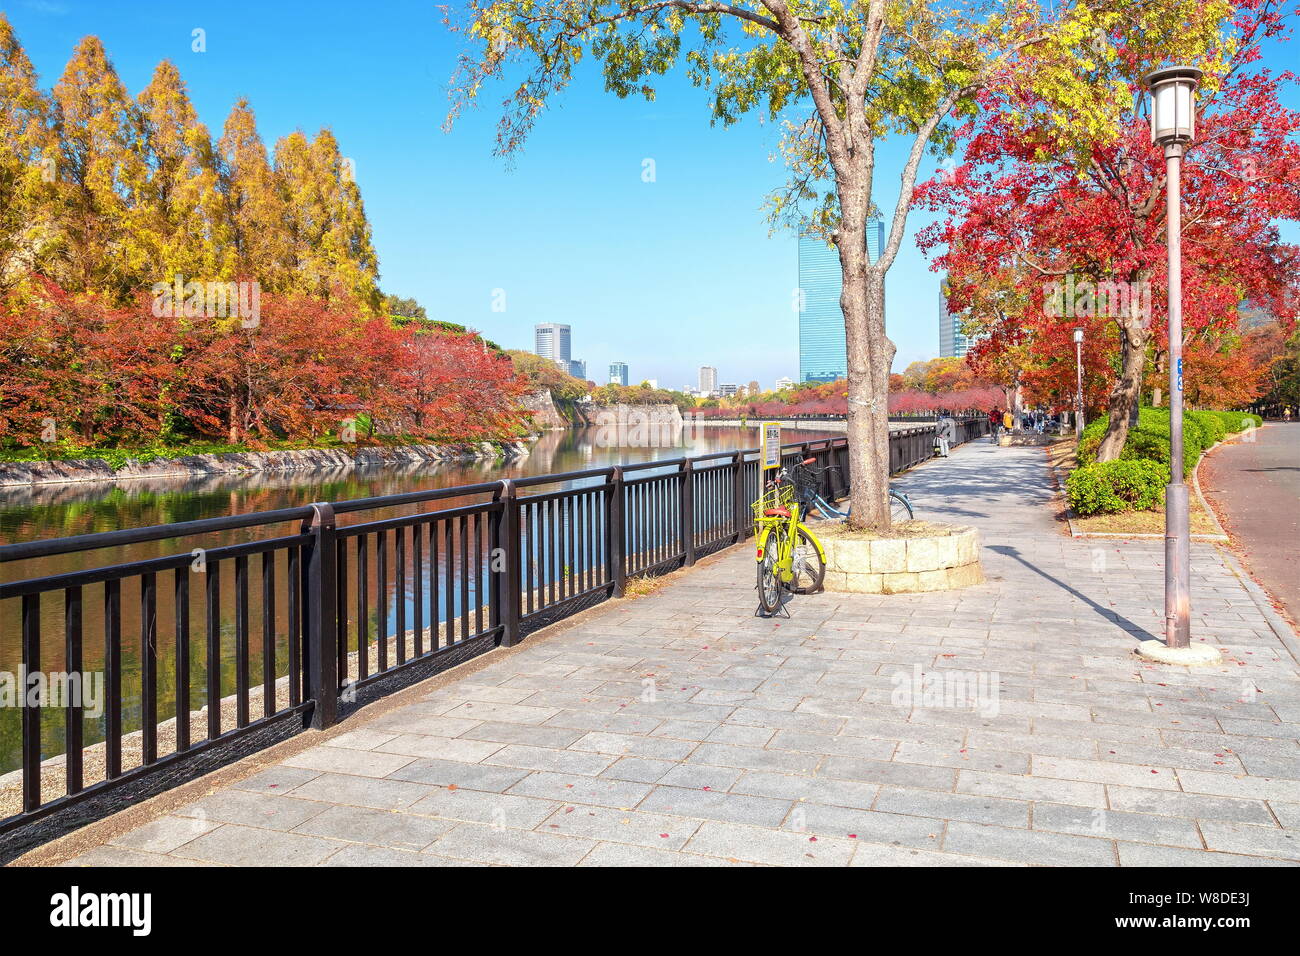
x: 808, y: 566
x: 900, y: 509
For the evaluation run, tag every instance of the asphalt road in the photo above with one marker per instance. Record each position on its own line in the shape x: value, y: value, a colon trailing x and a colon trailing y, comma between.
x: 1255, y: 488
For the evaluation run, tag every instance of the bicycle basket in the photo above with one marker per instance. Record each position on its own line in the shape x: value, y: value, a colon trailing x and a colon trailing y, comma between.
x: 807, y: 482
x: 778, y: 496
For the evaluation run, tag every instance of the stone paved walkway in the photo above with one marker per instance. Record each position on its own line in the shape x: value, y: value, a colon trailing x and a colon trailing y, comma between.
x: 678, y: 729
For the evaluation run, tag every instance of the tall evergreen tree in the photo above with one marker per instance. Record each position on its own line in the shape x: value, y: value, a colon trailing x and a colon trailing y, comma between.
x: 28, y: 164
x: 255, y: 210
x: 103, y: 175
x: 328, y: 227
x: 345, y: 243
x: 181, y: 216
x: 308, y: 273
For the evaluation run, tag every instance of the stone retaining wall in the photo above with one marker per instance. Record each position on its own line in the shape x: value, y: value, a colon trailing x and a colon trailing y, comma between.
x: 17, y: 473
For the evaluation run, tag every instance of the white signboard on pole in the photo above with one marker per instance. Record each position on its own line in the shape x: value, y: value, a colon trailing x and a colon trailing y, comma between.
x: 771, y: 445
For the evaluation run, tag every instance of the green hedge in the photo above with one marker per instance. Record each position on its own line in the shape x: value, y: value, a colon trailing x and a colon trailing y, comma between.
x: 1150, y: 439
x: 1106, y: 489
x: 1127, y: 484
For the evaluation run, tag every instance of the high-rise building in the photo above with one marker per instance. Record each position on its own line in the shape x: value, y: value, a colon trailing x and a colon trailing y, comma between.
x: 708, y: 380
x: 952, y: 343
x: 618, y: 373
x: 822, y: 353
x: 727, y: 390
x: 552, y: 342
x: 578, y: 369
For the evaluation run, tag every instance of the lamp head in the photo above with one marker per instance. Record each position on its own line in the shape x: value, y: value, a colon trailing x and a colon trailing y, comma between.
x: 1078, y: 336
x: 1173, y: 104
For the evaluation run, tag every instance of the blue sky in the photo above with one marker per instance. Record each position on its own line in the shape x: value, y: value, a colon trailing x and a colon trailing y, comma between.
x: 666, y: 276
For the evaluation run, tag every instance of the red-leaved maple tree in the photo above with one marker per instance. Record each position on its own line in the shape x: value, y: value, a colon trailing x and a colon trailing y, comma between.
x: 1045, y: 230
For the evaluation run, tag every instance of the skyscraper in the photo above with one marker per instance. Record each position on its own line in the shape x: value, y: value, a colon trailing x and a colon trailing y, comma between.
x: 708, y: 379
x: 822, y: 353
x: 578, y: 369
x: 952, y: 343
x: 552, y: 342
x: 618, y: 373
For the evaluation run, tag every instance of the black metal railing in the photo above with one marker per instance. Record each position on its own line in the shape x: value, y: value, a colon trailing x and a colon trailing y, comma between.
x: 211, y: 653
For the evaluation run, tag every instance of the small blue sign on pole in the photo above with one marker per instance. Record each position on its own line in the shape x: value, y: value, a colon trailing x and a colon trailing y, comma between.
x: 1180, y: 373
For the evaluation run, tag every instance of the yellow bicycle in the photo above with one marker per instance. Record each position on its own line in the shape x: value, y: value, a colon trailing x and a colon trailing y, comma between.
x: 789, y: 556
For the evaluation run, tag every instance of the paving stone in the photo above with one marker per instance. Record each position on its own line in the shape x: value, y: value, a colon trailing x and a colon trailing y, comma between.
x: 467, y: 776
x: 772, y: 847
x: 661, y: 748
x: 878, y: 854
x: 1052, y: 849
x: 116, y: 856
x: 1190, y: 805
x: 1077, y: 792
x: 873, y: 825
x: 340, y: 760
x: 657, y: 830
x: 1140, y: 854
x: 504, y: 847
x: 638, y: 769
x: 1288, y: 814
x: 576, y: 788
x: 841, y: 793
x: 364, y: 739
x: 701, y: 777
x: 711, y: 805
x: 1098, y: 771
x: 888, y: 772
x: 359, y: 854
x: 499, y: 809
x: 503, y: 733
x: 953, y: 806
x: 1258, y: 841
x: 462, y: 749
x: 361, y: 791
x: 270, y: 812
x: 242, y: 846
x: 165, y: 834
x: 277, y: 779
x: 754, y: 758
x: 1116, y: 825
x: 380, y: 828
x: 621, y: 854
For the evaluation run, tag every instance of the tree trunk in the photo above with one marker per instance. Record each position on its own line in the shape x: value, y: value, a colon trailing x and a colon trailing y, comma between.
x: 1157, y: 392
x: 1127, y: 390
x: 870, y: 355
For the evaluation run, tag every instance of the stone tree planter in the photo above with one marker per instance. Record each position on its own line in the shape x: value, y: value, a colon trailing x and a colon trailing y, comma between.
x: 916, y: 556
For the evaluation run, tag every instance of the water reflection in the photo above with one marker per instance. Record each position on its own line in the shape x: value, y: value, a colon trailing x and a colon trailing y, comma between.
x: 48, y: 511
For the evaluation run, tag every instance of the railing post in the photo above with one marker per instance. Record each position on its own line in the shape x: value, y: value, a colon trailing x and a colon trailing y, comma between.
x: 740, y: 507
x: 320, y: 617
x: 615, y: 533
x: 506, y: 554
x: 686, y: 498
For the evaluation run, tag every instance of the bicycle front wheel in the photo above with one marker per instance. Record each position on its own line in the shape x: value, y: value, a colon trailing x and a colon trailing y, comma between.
x: 808, y: 567
x: 769, y: 585
x: 900, y: 509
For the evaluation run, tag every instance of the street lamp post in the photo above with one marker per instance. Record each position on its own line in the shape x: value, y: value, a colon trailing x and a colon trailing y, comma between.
x: 1078, y: 385
x: 1173, y: 125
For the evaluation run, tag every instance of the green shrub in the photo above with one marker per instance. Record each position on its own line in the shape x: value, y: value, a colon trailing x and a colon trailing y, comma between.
x: 1127, y: 484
